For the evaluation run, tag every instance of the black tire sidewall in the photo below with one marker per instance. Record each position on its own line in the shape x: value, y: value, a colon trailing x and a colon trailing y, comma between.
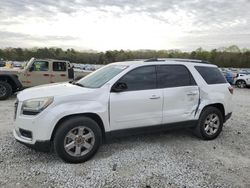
x: 8, y: 90
x: 65, y: 127
x: 201, y: 125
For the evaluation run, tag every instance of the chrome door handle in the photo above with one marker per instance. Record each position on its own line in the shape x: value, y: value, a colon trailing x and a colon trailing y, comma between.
x: 154, y: 97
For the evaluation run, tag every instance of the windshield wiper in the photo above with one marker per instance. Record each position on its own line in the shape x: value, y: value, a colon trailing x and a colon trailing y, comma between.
x: 76, y: 83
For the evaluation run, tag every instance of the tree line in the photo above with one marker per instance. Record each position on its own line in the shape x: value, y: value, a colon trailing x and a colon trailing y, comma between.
x: 231, y: 56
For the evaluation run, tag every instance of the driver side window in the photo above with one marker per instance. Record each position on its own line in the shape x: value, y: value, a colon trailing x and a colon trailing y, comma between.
x: 141, y: 78
x: 40, y: 66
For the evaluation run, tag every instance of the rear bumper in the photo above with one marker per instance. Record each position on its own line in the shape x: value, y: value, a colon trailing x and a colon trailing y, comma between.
x: 228, y: 116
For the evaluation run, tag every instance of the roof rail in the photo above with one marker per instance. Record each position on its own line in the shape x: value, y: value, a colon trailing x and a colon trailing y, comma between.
x: 153, y: 59
x: 188, y: 60
x: 177, y: 59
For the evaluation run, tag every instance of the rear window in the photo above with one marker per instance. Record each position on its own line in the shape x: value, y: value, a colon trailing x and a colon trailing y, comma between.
x: 211, y: 75
x: 59, y: 66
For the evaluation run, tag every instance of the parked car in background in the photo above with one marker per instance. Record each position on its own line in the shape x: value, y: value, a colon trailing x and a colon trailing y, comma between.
x: 230, y: 76
x: 245, y: 71
x: 123, y: 98
x: 242, y: 81
x: 37, y: 72
x: 2, y: 63
x: 17, y: 64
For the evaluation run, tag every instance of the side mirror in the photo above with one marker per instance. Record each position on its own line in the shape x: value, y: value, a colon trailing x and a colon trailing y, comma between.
x: 119, y: 87
x: 31, y: 68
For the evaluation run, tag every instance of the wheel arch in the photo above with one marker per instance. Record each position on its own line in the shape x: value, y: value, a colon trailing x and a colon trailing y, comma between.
x: 219, y: 106
x: 240, y: 80
x: 92, y: 116
x: 12, y: 80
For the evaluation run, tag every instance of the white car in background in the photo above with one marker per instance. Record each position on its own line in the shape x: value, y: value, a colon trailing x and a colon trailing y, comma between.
x: 242, y: 81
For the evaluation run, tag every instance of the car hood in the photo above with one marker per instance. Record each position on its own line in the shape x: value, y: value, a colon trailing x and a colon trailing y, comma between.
x: 55, y: 90
x: 4, y: 70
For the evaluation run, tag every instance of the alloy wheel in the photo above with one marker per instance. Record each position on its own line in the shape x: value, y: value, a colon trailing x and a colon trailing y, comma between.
x: 3, y: 91
x: 211, y: 124
x: 241, y: 84
x: 79, y: 141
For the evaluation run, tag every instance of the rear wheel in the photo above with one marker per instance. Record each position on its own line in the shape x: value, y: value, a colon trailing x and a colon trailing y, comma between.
x: 241, y: 84
x: 77, y: 139
x: 210, y: 123
x: 5, y: 90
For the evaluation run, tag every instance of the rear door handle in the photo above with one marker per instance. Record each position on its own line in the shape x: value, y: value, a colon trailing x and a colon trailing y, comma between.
x: 192, y: 93
x: 154, y: 97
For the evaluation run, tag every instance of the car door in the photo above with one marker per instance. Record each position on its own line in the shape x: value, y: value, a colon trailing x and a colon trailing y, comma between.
x: 59, y: 71
x: 140, y: 104
x: 39, y: 73
x: 181, y: 93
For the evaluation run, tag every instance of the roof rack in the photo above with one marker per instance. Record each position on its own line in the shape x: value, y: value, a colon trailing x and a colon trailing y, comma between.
x: 177, y: 59
x: 153, y: 59
x: 188, y: 60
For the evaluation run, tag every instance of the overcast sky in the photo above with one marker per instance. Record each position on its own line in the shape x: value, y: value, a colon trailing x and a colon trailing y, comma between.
x: 125, y: 24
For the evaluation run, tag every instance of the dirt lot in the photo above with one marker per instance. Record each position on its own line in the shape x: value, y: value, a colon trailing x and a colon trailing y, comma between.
x: 170, y: 159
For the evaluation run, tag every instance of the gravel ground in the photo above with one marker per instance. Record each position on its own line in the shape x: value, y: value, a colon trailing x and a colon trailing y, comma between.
x: 170, y: 159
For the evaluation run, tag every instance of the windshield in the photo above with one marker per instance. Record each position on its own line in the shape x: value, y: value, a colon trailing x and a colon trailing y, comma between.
x: 101, y: 76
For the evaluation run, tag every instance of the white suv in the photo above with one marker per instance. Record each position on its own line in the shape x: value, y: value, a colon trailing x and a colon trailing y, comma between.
x: 123, y: 98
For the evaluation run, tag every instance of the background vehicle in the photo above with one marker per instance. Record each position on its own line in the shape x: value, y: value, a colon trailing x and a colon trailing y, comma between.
x: 37, y: 72
x: 242, y: 81
x: 230, y: 76
x: 2, y: 63
x: 123, y: 98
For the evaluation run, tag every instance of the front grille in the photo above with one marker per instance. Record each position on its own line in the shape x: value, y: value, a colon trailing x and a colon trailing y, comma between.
x: 15, y: 106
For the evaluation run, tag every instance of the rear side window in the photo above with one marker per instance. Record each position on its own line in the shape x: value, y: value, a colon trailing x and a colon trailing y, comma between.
x: 174, y: 76
x: 141, y: 78
x: 211, y: 75
x: 59, y: 66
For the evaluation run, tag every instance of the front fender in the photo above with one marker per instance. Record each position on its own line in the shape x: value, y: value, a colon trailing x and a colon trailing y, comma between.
x: 13, y: 78
x: 78, y: 107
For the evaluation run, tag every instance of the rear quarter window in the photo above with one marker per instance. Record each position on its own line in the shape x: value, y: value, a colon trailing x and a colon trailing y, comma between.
x: 211, y: 75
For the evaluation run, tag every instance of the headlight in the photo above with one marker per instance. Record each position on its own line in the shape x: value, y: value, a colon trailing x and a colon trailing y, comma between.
x: 35, y: 106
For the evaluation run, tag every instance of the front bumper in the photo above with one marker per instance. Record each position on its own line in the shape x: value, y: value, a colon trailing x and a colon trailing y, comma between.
x: 44, y: 146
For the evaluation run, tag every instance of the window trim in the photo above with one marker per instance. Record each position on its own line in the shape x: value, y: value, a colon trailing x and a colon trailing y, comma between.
x: 191, y: 78
x: 131, y: 71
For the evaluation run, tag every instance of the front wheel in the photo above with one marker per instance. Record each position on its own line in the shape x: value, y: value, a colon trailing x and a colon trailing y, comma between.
x: 5, y: 90
x: 241, y: 84
x: 77, y: 139
x: 210, y: 123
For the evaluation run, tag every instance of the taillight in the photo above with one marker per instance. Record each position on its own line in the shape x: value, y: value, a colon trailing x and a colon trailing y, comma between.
x: 231, y: 89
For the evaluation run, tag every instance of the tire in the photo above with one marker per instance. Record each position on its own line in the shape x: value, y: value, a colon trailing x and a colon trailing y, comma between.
x: 206, y: 128
x: 5, y: 90
x: 241, y: 84
x: 81, y: 136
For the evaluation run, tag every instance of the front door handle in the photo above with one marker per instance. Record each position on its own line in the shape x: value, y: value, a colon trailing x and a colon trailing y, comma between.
x: 154, y: 97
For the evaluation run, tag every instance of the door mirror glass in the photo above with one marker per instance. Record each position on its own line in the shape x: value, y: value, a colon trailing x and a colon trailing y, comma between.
x: 119, y: 87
